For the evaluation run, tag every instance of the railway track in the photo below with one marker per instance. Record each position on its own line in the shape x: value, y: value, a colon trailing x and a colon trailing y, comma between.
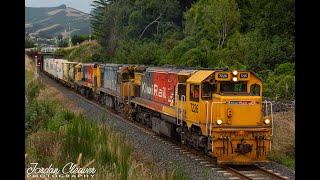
x: 255, y: 172
x: 228, y: 172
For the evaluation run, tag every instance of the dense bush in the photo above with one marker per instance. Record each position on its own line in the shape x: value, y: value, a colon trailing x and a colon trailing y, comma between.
x: 63, y: 43
x: 78, y: 39
x: 280, y: 84
x: 132, y: 52
x: 85, y: 52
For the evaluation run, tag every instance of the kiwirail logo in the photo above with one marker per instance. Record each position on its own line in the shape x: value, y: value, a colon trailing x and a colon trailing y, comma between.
x: 69, y: 170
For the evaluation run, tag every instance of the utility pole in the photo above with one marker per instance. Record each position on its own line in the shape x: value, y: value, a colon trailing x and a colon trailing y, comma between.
x: 89, y: 33
x: 69, y: 35
x: 36, y: 63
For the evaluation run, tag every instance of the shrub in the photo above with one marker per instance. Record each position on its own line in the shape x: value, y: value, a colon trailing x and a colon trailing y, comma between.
x: 33, y: 88
x: 280, y: 84
x: 38, y: 113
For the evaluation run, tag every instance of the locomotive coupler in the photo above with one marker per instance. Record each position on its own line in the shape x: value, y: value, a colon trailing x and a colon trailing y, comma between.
x: 243, y: 148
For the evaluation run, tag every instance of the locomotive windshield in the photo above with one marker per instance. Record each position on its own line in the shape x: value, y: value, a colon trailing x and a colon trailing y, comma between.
x: 233, y: 88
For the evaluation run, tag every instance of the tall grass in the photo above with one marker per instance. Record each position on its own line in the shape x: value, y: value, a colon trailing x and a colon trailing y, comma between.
x: 97, y: 142
x: 28, y: 76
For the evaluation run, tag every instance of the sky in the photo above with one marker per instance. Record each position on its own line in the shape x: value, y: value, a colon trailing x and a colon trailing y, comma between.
x: 82, y: 5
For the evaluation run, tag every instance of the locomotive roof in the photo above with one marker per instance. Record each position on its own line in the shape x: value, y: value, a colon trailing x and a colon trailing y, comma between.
x: 169, y: 70
x: 199, y: 76
x: 110, y: 65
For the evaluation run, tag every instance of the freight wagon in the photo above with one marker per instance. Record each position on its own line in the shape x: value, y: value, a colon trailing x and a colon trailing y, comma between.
x: 59, y: 69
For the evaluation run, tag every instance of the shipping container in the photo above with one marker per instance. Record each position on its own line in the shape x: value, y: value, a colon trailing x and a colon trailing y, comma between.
x: 72, y: 73
x: 49, y: 66
x: 69, y: 71
x: 53, y: 69
x: 59, y: 68
x: 46, y: 65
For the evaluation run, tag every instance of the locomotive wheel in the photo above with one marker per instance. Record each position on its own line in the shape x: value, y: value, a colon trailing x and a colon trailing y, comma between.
x: 86, y: 93
x: 206, y: 149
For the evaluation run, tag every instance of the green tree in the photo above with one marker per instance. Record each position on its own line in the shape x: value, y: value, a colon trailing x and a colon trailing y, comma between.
x: 214, y: 19
x: 77, y: 39
x: 280, y: 84
x: 63, y: 43
x: 28, y: 43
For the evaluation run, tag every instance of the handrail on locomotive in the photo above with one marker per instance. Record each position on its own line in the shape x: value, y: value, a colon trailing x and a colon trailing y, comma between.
x: 267, y: 113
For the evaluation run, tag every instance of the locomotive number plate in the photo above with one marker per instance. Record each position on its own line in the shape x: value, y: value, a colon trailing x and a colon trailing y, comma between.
x: 194, y: 108
x: 244, y: 75
x: 223, y: 75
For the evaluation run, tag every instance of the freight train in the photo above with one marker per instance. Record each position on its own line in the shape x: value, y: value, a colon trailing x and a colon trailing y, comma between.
x: 217, y: 111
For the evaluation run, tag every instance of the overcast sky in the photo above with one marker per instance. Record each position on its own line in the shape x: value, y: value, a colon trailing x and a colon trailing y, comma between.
x: 82, y: 5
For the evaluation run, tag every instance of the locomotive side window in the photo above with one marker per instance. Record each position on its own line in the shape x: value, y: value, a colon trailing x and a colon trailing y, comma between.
x: 194, y: 92
x: 182, y: 90
x: 207, y: 90
x: 255, y: 90
x: 125, y: 77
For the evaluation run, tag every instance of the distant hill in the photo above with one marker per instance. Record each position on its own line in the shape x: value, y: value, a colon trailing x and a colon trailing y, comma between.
x: 52, y: 21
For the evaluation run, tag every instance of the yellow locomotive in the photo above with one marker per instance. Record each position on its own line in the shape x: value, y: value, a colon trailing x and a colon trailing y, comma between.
x: 228, y: 111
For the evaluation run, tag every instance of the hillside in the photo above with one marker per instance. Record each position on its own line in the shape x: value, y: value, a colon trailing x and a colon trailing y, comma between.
x: 52, y: 21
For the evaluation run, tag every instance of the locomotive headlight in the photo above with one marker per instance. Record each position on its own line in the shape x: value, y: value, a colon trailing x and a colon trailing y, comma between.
x: 219, y: 121
x: 267, y: 121
x: 235, y: 79
x: 235, y: 72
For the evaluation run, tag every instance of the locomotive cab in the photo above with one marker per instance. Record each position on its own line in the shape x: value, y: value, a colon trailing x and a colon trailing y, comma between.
x: 224, y: 115
x: 125, y: 77
x: 87, y: 78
